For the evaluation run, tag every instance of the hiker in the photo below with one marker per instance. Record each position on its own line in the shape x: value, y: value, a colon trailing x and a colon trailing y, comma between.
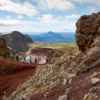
x: 11, y: 56
x: 16, y: 57
x: 35, y: 60
x: 30, y: 59
x: 24, y: 59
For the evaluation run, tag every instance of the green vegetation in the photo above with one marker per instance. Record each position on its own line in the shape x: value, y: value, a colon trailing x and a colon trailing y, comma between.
x: 3, y: 48
x: 63, y: 51
x: 53, y: 45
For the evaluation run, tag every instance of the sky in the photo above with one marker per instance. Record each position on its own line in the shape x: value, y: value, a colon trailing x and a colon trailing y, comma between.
x: 44, y: 15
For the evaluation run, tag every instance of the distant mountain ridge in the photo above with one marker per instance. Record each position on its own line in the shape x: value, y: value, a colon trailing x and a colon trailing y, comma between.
x: 17, y: 41
x: 53, y: 37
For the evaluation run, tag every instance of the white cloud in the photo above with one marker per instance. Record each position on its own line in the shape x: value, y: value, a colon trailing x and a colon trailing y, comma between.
x: 47, y: 22
x: 91, y: 2
x: 20, y: 17
x: 47, y: 19
x: 63, y: 5
x: 8, y: 17
x: 23, y: 9
x: 92, y: 10
x: 73, y: 17
x: 9, y: 22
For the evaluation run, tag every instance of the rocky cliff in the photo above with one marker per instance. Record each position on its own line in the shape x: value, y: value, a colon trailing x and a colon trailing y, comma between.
x: 18, y: 41
x: 88, y: 29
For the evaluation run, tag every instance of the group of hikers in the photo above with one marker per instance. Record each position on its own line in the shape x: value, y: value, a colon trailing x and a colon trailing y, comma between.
x: 27, y: 58
x: 18, y: 58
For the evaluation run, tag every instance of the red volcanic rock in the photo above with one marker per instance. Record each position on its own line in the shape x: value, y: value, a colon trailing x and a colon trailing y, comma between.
x: 88, y: 29
x: 13, y: 74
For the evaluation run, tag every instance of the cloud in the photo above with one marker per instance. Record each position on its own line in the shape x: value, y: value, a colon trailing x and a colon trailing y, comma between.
x: 73, y: 17
x: 8, y: 17
x: 88, y: 2
x: 62, y: 23
x: 9, y: 22
x: 92, y: 10
x: 63, y: 5
x: 20, y: 17
x: 46, y: 22
x: 23, y: 9
x: 47, y: 19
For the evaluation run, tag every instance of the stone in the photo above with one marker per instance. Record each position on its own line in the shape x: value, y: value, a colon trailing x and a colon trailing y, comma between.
x: 68, y: 90
x: 93, y: 94
x: 70, y: 81
x: 94, y: 80
x: 91, y: 58
x: 96, y: 42
x: 93, y: 75
x: 63, y: 97
x: 64, y: 82
x: 46, y: 94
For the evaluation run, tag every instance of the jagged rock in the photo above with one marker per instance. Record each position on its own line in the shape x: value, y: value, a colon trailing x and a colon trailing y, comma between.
x: 94, y: 80
x: 88, y: 28
x: 92, y: 55
x: 96, y: 42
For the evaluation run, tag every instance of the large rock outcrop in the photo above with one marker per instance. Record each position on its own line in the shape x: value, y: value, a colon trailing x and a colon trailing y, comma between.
x: 17, y: 41
x: 88, y: 29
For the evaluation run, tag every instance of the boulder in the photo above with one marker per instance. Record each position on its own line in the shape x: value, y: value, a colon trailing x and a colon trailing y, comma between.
x: 94, y: 81
x: 92, y: 55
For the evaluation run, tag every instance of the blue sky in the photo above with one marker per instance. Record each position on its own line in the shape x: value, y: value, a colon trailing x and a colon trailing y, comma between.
x: 44, y: 15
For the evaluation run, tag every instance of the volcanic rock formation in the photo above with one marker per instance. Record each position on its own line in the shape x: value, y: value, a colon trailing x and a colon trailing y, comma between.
x: 88, y: 29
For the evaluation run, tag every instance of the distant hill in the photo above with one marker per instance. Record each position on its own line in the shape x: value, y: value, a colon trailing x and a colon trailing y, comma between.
x: 53, y: 37
x: 17, y: 41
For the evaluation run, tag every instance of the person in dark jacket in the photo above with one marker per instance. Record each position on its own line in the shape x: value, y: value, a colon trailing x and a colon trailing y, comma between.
x: 17, y: 57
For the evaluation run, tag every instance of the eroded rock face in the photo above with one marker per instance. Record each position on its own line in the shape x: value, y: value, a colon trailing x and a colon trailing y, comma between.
x: 88, y: 29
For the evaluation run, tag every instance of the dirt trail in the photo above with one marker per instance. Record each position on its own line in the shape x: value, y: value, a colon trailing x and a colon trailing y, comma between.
x: 15, y: 74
